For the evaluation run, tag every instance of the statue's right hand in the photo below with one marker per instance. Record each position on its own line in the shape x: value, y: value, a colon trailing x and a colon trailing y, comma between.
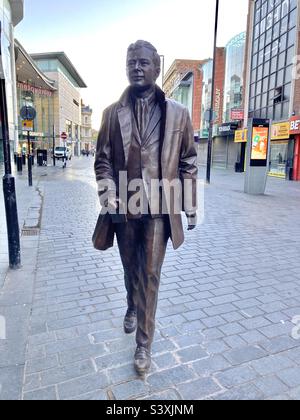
x: 112, y: 203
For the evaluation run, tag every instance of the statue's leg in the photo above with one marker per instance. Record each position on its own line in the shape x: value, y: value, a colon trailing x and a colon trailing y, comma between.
x: 128, y: 236
x: 153, y: 250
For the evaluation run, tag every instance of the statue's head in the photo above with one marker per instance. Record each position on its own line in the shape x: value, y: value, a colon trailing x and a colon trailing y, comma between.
x: 143, y: 65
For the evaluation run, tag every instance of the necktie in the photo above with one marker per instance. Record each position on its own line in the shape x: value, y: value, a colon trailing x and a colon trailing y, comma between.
x: 142, y: 114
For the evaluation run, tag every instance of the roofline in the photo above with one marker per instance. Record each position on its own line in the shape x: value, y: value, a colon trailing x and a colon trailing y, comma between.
x: 32, y: 63
x: 65, y: 61
x: 180, y: 60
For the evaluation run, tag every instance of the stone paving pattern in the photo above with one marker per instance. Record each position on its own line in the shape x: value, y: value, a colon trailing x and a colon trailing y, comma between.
x: 227, y: 300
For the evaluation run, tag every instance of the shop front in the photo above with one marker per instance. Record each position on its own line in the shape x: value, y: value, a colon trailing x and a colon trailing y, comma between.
x: 224, y: 147
x: 282, y: 151
x: 295, y: 133
x: 240, y: 139
x: 34, y: 89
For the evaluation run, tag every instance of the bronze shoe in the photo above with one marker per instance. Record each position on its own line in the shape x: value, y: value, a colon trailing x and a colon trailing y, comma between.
x: 142, y: 361
x: 130, y: 322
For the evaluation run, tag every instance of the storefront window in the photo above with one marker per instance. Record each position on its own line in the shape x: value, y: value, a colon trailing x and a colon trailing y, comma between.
x: 42, y: 101
x: 278, y: 158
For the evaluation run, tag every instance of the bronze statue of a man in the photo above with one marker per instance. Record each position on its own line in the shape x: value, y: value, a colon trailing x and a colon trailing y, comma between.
x: 145, y: 138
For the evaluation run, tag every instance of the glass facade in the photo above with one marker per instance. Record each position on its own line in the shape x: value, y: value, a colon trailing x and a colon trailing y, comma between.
x: 42, y: 101
x: 5, y: 17
x: 184, y: 93
x: 273, y: 49
x: 233, y: 88
x: 207, y: 70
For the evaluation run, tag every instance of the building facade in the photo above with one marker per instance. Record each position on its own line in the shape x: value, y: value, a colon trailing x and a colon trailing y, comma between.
x: 234, y: 78
x: 87, y: 142
x: 207, y: 71
x: 36, y: 90
x: 11, y: 13
x: 67, y: 100
x: 183, y: 83
x: 273, y: 88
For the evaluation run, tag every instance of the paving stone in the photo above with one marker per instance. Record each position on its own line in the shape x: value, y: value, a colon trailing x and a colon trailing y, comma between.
x: 38, y: 365
x: 272, y: 364
x: 291, y: 377
x: 46, y: 394
x: 82, y: 386
x: 198, y: 390
x: 130, y: 390
x: 211, y: 365
x: 169, y: 395
x: 236, y: 376
x: 65, y: 373
x: 170, y: 377
x: 244, y: 355
x: 247, y: 392
x: 191, y: 354
x: 271, y: 386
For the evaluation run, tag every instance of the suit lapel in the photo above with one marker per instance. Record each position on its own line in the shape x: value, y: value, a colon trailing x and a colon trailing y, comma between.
x: 125, y: 120
x: 154, y: 121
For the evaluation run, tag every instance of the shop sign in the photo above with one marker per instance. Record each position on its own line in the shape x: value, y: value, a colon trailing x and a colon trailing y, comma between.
x: 27, y: 125
x: 237, y: 114
x: 295, y: 125
x: 241, y: 136
x: 33, y: 134
x: 35, y: 90
x: 227, y: 129
x: 280, y: 131
x: 204, y: 134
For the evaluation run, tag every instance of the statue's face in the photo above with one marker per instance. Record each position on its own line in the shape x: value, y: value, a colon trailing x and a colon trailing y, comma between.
x: 141, y: 70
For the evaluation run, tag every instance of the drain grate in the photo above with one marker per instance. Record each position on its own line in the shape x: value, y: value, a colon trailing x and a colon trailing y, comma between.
x: 30, y: 232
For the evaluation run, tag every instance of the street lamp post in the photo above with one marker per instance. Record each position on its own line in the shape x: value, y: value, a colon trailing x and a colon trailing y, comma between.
x: 9, y: 188
x: 211, y: 111
x: 162, y: 70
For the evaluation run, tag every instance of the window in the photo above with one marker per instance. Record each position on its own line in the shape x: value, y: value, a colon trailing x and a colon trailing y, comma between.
x: 281, y: 60
x: 273, y: 53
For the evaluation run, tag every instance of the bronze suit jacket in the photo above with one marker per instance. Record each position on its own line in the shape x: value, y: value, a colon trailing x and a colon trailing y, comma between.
x: 178, y: 156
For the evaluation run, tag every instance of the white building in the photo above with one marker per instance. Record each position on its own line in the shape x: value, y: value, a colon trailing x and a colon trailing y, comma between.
x: 67, y: 102
x: 86, y: 128
x: 11, y: 13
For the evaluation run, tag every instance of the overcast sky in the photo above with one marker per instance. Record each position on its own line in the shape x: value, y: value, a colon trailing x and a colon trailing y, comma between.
x: 95, y: 35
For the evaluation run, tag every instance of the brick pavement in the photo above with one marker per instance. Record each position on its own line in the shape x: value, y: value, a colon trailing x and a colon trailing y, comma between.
x: 227, y: 300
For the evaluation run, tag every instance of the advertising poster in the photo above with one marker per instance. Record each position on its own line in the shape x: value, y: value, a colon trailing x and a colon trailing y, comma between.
x: 260, y: 143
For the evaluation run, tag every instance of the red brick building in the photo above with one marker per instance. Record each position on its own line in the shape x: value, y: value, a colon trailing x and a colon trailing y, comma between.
x: 183, y: 82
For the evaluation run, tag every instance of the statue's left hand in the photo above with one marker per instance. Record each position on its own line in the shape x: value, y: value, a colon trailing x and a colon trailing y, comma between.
x: 192, y: 222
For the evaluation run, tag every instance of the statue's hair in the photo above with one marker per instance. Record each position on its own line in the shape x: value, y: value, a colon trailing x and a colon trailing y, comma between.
x: 145, y: 44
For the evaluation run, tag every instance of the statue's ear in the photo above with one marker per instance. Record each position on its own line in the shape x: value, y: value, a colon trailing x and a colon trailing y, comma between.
x: 157, y: 73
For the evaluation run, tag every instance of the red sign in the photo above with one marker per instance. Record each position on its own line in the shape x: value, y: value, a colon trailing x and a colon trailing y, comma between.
x: 237, y: 115
x: 64, y: 136
x: 295, y: 125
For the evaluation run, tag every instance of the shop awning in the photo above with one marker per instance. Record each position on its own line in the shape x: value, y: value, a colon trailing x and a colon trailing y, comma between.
x: 28, y: 72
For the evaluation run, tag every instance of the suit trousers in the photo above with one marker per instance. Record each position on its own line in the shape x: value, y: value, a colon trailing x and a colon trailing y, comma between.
x: 142, y: 245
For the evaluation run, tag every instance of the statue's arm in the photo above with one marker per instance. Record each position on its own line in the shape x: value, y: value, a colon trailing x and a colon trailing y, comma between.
x: 189, y: 172
x: 104, y: 158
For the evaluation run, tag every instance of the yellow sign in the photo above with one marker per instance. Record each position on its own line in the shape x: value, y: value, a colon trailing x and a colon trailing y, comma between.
x: 280, y: 131
x: 27, y: 125
x: 241, y: 136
